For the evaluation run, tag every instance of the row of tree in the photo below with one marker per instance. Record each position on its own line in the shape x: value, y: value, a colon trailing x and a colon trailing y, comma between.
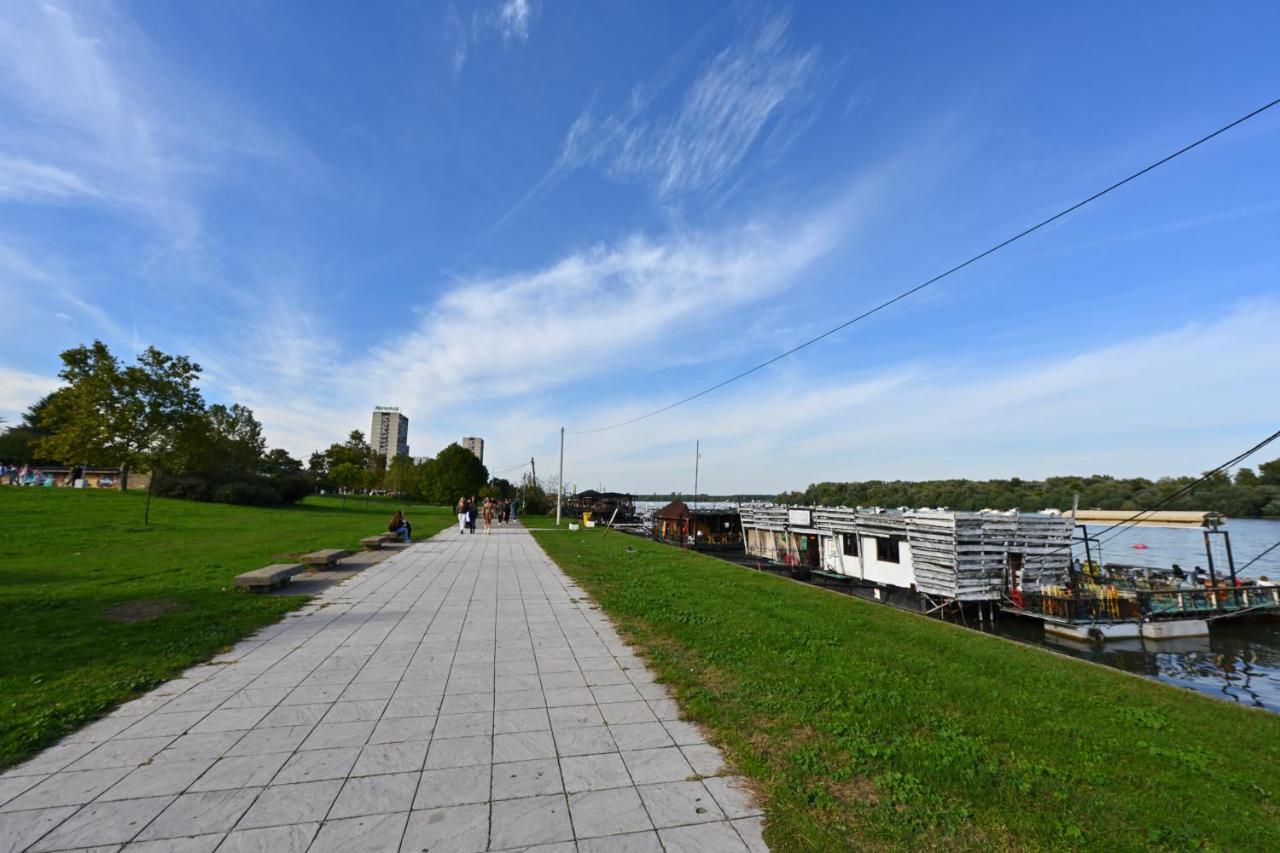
x: 150, y: 416
x: 354, y: 466
x: 1249, y: 493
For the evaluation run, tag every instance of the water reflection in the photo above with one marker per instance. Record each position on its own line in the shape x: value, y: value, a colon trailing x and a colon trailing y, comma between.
x: 1239, y: 662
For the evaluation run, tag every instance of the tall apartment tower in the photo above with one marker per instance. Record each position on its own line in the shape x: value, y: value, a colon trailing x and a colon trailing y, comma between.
x: 389, y: 434
x: 475, y: 445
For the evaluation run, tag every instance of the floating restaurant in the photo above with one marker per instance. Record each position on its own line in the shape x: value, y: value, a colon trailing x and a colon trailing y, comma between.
x: 1015, y: 562
x: 718, y: 529
x: 601, y: 506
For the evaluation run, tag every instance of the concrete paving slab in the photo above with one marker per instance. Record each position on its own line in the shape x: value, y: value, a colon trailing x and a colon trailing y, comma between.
x: 457, y: 694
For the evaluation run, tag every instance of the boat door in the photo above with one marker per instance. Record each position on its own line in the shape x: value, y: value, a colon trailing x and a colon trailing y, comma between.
x: 1013, y: 577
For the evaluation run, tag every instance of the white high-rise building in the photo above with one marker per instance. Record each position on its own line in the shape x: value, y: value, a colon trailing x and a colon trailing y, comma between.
x: 389, y: 435
x: 475, y: 445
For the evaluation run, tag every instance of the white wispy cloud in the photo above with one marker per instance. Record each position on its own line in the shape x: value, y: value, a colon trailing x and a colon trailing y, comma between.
x: 513, y: 19
x: 1144, y: 406
x: 482, y: 343
x: 23, y: 180
x: 93, y: 114
x: 742, y: 92
x: 508, y: 19
x: 19, y: 389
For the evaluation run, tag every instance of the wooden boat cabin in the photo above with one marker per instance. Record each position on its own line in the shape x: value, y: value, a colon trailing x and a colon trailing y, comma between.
x: 700, y: 529
x: 964, y: 556
x: 601, y: 505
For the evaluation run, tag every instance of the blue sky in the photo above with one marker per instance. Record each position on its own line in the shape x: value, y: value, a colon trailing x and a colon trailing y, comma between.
x: 507, y: 216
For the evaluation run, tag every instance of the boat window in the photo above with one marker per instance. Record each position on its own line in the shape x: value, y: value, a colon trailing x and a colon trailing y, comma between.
x: 850, y: 544
x: 887, y: 550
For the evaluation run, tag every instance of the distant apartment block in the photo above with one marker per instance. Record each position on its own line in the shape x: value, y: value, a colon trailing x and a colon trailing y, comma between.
x: 475, y: 445
x: 389, y: 435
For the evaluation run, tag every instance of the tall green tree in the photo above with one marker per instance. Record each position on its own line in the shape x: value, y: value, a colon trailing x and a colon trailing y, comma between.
x: 346, y: 476
x: 454, y: 472
x: 115, y: 414
x: 278, y: 463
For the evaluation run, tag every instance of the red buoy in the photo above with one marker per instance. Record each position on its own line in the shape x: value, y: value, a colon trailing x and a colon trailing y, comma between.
x: 1141, y: 547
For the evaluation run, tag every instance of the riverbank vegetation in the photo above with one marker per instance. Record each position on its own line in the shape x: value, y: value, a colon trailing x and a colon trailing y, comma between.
x: 1248, y: 494
x: 96, y: 608
x: 866, y: 727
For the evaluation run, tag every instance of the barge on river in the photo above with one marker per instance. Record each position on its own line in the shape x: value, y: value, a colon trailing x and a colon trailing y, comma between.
x: 1015, y: 562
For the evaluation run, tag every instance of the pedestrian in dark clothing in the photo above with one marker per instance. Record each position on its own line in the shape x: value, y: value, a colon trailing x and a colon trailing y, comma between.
x: 471, y: 515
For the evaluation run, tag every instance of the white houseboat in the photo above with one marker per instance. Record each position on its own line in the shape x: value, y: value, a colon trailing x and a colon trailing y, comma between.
x: 940, y: 554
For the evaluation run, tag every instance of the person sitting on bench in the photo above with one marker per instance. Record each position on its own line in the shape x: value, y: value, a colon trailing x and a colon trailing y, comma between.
x: 400, y: 526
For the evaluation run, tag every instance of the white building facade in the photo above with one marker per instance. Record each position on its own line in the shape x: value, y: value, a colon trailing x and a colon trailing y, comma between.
x: 389, y: 434
x: 475, y: 445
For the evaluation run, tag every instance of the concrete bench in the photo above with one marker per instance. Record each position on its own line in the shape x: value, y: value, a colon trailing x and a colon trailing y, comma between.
x: 373, y: 543
x: 328, y: 558
x: 268, y: 577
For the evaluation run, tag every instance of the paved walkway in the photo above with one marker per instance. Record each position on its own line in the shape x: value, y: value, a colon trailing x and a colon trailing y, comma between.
x: 461, y: 695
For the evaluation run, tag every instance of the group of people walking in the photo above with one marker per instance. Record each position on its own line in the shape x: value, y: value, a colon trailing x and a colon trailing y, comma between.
x: 488, y: 511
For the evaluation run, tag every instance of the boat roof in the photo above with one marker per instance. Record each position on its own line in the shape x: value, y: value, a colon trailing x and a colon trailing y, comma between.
x: 1151, y: 518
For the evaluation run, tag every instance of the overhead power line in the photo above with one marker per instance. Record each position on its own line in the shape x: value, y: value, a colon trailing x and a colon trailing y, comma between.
x: 1257, y: 558
x: 512, y: 468
x: 937, y: 278
x: 1187, y: 489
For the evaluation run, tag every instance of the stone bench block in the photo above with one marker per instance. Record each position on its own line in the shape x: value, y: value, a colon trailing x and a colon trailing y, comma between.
x: 268, y: 577
x: 325, y: 559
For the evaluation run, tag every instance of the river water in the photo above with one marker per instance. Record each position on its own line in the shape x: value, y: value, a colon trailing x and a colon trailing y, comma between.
x: 1239, y: 662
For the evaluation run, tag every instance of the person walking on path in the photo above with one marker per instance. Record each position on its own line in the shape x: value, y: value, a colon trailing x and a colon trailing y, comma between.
x: 461, y: 511
x: 487, y: 514
x: 471, y: 514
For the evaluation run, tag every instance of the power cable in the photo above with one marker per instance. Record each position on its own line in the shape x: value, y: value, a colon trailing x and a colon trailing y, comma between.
x: 1189, y: 487
x: 1257, y: 558
x: 904, y: 294
x: 505, y: 470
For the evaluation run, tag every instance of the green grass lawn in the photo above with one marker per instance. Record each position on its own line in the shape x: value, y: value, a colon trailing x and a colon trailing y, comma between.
x: 75, y: 566
x: 864, y: 726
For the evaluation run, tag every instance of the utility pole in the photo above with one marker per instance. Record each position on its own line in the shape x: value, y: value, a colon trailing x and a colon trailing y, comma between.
x: 533, y: 480
x: 560, y: 485
x: 697, y: 457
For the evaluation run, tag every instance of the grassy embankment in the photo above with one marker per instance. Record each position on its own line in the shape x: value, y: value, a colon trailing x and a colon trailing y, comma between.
x: 76, y: 567
x: 865, y: 726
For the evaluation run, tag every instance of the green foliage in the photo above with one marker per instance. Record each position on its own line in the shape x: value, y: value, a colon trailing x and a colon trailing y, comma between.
x: 403, y: 476
x: 533, y: 498
x: 1247, y: 496
x: 114, y: 414
x: 498, y: 488
x: 247, y: 494
x: 345, y: 476
x: 16, y: 446
x: 65, y: 661
x: 278, y: 463
x: 869, y: 728
x: 454, y: 472
x: 150, y: 416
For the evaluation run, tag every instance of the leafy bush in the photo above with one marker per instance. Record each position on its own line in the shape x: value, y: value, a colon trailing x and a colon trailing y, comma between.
x: 247, y: 494
x: 183, y: 488
x: 292, y: 487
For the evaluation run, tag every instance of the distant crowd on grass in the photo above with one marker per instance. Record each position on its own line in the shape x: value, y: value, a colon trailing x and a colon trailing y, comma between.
x: 150, y: 417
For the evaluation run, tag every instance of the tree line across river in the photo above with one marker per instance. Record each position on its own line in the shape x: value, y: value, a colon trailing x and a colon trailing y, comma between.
x: 1247, y: 494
